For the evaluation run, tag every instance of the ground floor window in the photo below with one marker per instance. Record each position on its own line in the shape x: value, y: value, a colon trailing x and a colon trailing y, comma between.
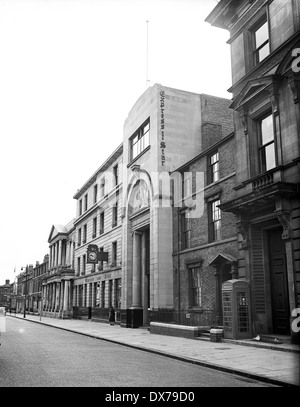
x: 195, y: 287
x: 118, y: 292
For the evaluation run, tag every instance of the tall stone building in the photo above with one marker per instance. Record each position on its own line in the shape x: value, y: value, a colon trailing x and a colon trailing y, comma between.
x: 124, y: 210
x: 165, y: 128
x: 57, y: 283
x: 265, y: 49
x: 97, y: 285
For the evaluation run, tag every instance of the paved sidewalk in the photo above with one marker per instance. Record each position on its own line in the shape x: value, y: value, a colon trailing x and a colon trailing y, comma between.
x: 266, y: 363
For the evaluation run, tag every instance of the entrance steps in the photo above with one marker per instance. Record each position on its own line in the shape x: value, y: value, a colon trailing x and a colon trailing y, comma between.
x: 204, y: 333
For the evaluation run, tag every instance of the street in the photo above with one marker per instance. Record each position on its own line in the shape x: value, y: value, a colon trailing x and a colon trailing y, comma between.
x: 36, y: 355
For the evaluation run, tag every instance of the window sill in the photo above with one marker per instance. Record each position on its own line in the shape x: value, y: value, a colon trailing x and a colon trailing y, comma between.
x: 138, y: 156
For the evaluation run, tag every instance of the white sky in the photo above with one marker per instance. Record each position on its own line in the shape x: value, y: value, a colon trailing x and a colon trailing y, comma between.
x: 70, y: 71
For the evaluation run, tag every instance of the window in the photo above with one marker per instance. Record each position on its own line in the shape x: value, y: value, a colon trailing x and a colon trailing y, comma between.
x: 118, y: 293
x: 261, y: 41
x: 83, y: 264
x: 78, y: 266
x: 84, y: 233
x: 114, y: 254
x: 85, y: 202
x: 186, y: 184
x: 101, y: 223
x: 195, y: 287
x: 115, y: 215
x: 80, y: 207
x: 95, y: 193
x: 213, y: 168
x: 79, y: 237
x: 94, y: 227
x: 102, y: 187
x: 214, y: 221
x: 140, y: 140
x: 115, y: 173
x: 266, y: 143
x: 185, y: 230
x: 102, y: 294
x: 101, y: 249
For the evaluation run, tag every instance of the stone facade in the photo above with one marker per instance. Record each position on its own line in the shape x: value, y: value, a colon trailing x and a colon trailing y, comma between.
x: 57, y: 284
x: 98, y: 222
x: 179, y: 125
x: 264, y: 40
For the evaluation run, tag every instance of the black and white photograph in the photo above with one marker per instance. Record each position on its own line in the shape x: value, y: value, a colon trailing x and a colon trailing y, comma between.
x: 150, y: 182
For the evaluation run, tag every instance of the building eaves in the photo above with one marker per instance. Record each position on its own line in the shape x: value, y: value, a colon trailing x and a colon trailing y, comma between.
x: 203, y: 153
x: 102, y: 168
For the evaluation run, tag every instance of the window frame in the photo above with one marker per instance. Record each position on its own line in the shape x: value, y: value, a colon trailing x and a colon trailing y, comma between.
x: 142, y: 140
x: 79, y: 237
x: 84, y: 237
x: 94, y: 227
x: 210, y: 170
x: 115, y: 215
x: 186, y: 230
x: 95, y: 193
x: 114, y: 253
x: 262, y: 156
x: 256, y: 49
x: 116, y: 175
x: 102, y: 187
x: 214, y: 234
x: 192, y: 287
x: 85, y: 202
x: 102, y: 220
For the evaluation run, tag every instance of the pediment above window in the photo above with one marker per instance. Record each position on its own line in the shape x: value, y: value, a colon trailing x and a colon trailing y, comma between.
x: 254, y: 90
x: 286, y: 64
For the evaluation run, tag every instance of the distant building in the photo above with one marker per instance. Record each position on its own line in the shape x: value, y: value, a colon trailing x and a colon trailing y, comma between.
x: 57, y: 284
x: 6, y: 291
x: 265, y: 41
x: 35, y: 296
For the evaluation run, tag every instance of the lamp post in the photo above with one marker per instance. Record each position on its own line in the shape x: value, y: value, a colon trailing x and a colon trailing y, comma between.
x: 25, y: 291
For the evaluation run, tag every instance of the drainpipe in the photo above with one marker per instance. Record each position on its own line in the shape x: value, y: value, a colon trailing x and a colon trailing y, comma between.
x: 178, y: 262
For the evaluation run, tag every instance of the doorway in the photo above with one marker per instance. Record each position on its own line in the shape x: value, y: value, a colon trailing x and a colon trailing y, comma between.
x: 278, y: 283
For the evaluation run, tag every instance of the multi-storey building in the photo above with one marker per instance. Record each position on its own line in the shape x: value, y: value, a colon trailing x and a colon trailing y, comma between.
x: 164, y: 129
x: 98, y: 222
x: 124, y: 209
x: 35, y: 294
x: 6, y: 291
x: 57, y: 283
x: 265, y: 48
x: 24, y: 288
x: 205, y: 240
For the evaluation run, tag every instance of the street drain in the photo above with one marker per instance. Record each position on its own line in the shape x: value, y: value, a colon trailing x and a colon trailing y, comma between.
x: 222, y: 348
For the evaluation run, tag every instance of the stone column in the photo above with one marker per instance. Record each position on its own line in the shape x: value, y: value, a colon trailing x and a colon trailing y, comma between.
x: 50, y: 256
x: 57, y: 253
x: 60, y: 252
x: 88, y: 286
x: 114, y: 291
x: 106, y: 304
x: 144, y: 279
x: 52, y: 296
x: 65, y: 296
x: 136, y: 271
